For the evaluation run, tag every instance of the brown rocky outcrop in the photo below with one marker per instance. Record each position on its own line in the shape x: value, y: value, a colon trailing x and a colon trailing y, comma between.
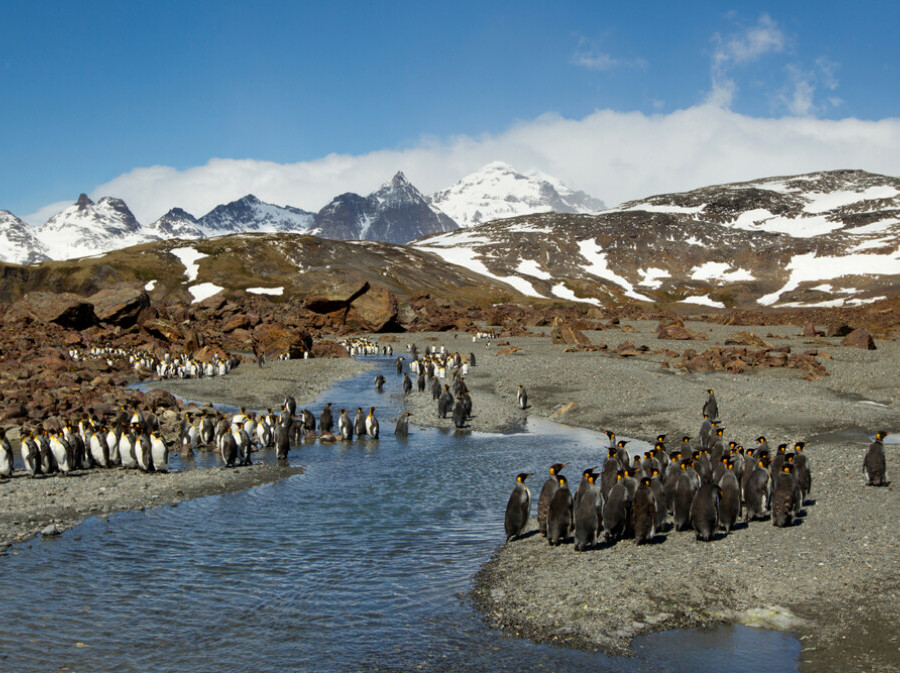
x: 859, y: 338
x: 274, y: 339
x: 120, y: 305
x: 335, y: 297
x: 746, y: 339
x: 563, y: 333
x: 325, y: 348
x: 64, y: 309
x: 680, y: 333
x: 164, y: 330
x: 375, y: 310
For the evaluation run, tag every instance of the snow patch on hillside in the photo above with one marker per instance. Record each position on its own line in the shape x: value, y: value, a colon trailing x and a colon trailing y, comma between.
x: 189, y: 258
x: 203, y: 291
x: 597, y: 266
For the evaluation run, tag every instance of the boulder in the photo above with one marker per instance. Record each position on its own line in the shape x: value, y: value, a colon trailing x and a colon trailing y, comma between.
x: 375, y: 310
x: 64, y: 309
x: 157, y: 397
x: 164, y: 330
x: 273, y: 339
x: 859, y: 338
x: 563, y: 333
x: 680, y: 333
x: 328, y: 349
x: 746, y: 339
x: 120, y: 305
x: 335, y: 297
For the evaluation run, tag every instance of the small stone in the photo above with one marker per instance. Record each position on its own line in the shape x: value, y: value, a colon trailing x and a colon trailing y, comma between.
x: 51, y: 530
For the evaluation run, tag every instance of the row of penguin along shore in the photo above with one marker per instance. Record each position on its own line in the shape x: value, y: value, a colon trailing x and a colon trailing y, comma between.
x: 798, y: 380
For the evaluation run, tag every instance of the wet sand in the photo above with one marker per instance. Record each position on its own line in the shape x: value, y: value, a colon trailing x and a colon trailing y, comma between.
x: 832, y: 579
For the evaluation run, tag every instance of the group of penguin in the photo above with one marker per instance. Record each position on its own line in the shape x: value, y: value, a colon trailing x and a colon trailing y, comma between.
x: 167, y: 366
x: 130, y: 440
x: 431, y: 368
x: 706, y: 488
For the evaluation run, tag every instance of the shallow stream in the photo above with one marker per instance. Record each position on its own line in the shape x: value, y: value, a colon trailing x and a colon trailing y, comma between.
x: 360, y: 564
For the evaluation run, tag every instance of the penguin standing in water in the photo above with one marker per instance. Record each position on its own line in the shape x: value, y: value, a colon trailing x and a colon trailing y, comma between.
x: 522, y: 397
x: 407, y: 384
x: 345, y: 426
x: 559, y: 516
x: 874, y: 464
x: 402, y: 427
x: 399, y: 365
x: 547, y: 492
x: 588, y: 511
x: 711, y: 407
x: 756, y: 492
x: 326, y: 421
x: 228, y: 449
x: 282, y: 441
x: 308, y: 421
x: 359, y: 423
x: 644, y: 510
x: 372, y: 424
x: 705, y: 512
x: 379, y: 383
x: 420, y: 381
x: 784, y: 501
x: 518, y: 508
x: 6, y: 455
x: 730, y: 502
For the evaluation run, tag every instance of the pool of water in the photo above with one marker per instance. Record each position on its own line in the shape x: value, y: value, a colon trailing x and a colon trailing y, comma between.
x: 360, y: 564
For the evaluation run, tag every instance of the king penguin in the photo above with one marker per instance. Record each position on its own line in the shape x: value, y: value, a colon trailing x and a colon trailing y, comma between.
x: 588, y: 512
x: 518, y: 508
x: 705, y: 512
x: 874, y: 463
x: 644, y: 509
x: 559, y: 516
x: 401, y: 429
x: 547, y: 493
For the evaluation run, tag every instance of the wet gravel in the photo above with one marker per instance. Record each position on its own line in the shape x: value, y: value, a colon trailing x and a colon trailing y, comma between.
x: 832, y: 579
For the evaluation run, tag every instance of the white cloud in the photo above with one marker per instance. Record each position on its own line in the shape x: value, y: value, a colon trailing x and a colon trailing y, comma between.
x: 589, y: 55
x: 615, y: 156
x: 741, y: 48
x: 800, y: 93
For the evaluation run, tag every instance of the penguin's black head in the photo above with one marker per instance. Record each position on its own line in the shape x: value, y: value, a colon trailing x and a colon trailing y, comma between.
x: 610, y: 434
x: 685, y: 439
x: 658, y: 446
x: 798, y: 446
x: 522, y: 477
x: 645, y: 481
x: 655, y: 473
x: 621, y: 443
x: 881, y: 434
x: 760, y: 439
x: 789, y: 457
x: 660, y: 438
x: 588, y: 472
x: 561, y: 480
x: 709, y: 390
x: 782, y: 448
x: 720, y: 431
x: 787, y: 467
x: 612, y: 452
x: 556, y: 467
x: 592, y: 477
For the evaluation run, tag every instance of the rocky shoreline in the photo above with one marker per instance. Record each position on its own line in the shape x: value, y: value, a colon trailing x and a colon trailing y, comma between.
x: 817, y: 579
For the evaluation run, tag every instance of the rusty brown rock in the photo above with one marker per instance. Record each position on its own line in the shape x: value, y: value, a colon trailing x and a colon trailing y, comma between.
x: 156, y: 398
x: 563, y: 333
x: 120, y: 305
x: 274, y: 339
x: 376, y: 311
x: 745, y: 338
x: 64, y: 309
x: 680, y: 333
x: 325, y: 348
x: 509, y: 350
x: 859, y: 338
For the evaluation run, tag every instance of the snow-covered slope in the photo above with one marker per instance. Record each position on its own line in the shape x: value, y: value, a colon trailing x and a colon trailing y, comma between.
x: 497, y: 191
x: 395, y: 213
x: 835, y: 242
x: 18, y: 243
x: 251, y: 214
x: 177, y: 223
x: 88, y: 228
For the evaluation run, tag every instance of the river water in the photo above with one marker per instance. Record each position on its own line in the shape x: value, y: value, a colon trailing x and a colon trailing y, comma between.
x: 360, y: 564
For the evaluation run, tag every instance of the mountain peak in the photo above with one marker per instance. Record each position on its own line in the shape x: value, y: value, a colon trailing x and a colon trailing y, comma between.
x: 399, y: 180
x: 83, y: 201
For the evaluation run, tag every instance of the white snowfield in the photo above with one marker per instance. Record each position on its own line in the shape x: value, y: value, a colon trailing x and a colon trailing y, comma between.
x: 203, y: 291
x: 276, y: 291
x: 190, y: 258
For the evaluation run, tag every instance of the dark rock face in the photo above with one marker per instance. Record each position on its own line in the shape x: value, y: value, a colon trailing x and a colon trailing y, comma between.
x: 563, y: 333
x: 120, y: 305
x: 274, y: 339
x: 63, y: 309
x: 376, y: 310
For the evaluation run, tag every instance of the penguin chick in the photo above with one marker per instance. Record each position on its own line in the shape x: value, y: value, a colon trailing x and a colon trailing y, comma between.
x: 518, y: 508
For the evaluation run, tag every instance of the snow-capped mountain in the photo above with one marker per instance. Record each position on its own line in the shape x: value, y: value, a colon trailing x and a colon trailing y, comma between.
x: 823, y: 239
x: 251, y: 214
x: 18, y: 241
x: 396, y: 213
x: 177, y: 223
x: 496, y: 191
x: 86, y: 228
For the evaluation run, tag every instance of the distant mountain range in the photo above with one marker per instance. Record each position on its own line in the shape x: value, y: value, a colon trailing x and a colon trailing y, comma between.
x: 395, y: 213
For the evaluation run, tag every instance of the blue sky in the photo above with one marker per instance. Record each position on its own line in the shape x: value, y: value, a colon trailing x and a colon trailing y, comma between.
x: 94, y: 94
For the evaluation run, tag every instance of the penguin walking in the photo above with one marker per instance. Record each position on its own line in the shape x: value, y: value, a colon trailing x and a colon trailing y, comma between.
x: 401, y: 429
x: 518, y: 508
x: 874, y: 463
x: 407, y: 384
x: 705, y: 512
x: 711, y: 407
x: 459, y: 413
x: 784, y: 495
x: 326, y: 422
x: 435, y: 387
x: 420, y: 382
x: 802, y: 471
x: 6, y: 455
x: 644, y: 510
x: 372, y: 424
x: 379, y: 383
x: 730, y: 502
x: 399, y: 365
x: 282, y: 441
x: 345, y: 426
x: 705, y: 432
x: 547, y: 492
x: 522, y: 397
x: 559, y: 516
x: 587, y: 513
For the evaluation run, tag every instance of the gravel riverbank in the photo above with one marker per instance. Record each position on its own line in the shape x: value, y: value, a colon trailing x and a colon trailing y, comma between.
x: 832, y: 579
x: 28, y: 505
